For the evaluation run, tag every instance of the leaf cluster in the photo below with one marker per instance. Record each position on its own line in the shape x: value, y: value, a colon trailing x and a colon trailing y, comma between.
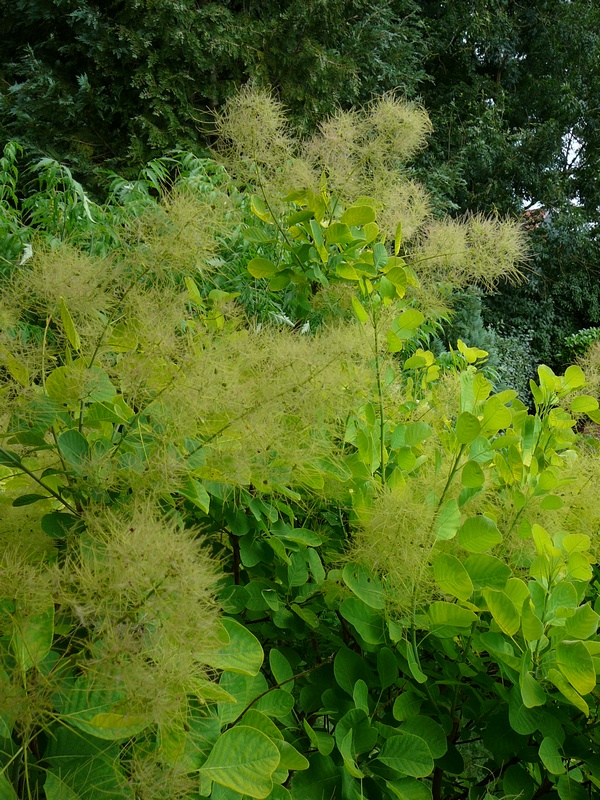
x: 242, y: 560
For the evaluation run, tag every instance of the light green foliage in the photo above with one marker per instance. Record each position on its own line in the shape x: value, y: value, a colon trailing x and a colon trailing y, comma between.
x: 511, y: 88
x: 241, y: 560
x: 579, y: 343
x: 326, y: 208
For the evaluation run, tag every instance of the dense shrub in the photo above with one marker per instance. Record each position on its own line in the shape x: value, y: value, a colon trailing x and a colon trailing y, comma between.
x: 290, y: 553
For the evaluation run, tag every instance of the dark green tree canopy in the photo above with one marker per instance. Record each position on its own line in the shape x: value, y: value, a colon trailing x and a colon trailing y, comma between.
x: 514, y: 96
x: 120, y: 81
x: 513, y: 87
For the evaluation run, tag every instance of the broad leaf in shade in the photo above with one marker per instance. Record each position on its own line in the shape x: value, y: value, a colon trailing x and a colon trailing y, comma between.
x: 565, y: 688
x: 550, y: 756
x: 407, y: 754
x: 576, y: 664
x: 366, y: 586
x: 451, y: 576
x: 32, y: 634
x: 243, y: 759
x: 487, y: 572
x: 503, y: 611
x: 448, y: 521
x: 478, y: 534
x: 444, y: 616
x: 242, y: 653
x: 367, y: 621
x: 429, y: 730
x: 100, y: 709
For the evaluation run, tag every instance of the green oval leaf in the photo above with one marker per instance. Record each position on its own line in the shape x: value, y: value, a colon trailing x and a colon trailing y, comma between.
x: 429, y: 730
x: 449, y: 615
x: 368, y: 623
x: 409, y: 789
x: 397, y: 276
x: 576, y: 665
x: 243, y: 759
x: 468, y: 428
x: 358, y: 215
x: 574, y: 378
x: 348, y: 667
x: 100, y: 711
x: 324, y: 742
x: 338, y: 233
x: 550, y: 756
x: 28, y: 499
x: 407, y: 754
x: 583, y: 623
x: 531, y: 624
x: 578, y: 568
x: 517, y: 590
x: 387, y: 288
x: 551, y: 502
x: 472, y: 475
x: 364, y: 584
x: 406, y: 705
x: 452, y: 577
x: 276, y: 703
x: 496, y: 415
x: 478, y: 534
x: 258, y: 235
x: 243, y: 653
x: 259, y: 207
x: 380, y: 256
x: 583, y: 404
x: 569, y: 788
x: 73, y: 447
x: 503, y: 610
x: 347, y: 272
x: 406, y: 324
x: 70, y: 385
x: 281, y: 280
x: 522, y: 719
x: 531, y: 691
x: 289, y: 757
x: 359, y: 310
x: 448, y: 521
x: 244, y: 689
x: 565, y: 688
x: 416, y: 432
x: 32, y: 635
x: 281, y: 669
x: 394, y: 342
x: 261, y: 268
x: 487, y: 572
x: 57, y: 524
x: 195, y: 492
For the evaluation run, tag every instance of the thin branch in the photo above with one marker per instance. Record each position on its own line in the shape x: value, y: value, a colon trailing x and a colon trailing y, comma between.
x: 19, y: 464
x: 278, y: 686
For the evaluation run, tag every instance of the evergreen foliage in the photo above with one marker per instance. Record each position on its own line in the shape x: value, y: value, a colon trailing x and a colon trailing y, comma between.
x: 111, y: 84
x: 513, y: 95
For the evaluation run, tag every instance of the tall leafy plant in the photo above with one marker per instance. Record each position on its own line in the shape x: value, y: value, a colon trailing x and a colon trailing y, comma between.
x: 243, y: 561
